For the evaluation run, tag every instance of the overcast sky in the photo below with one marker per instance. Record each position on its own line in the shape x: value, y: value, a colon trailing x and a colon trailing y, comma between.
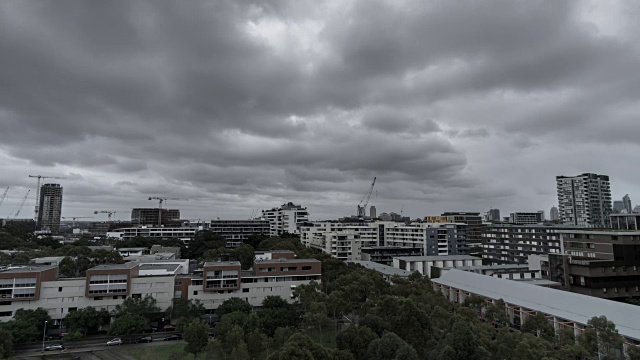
x: 238, y: 105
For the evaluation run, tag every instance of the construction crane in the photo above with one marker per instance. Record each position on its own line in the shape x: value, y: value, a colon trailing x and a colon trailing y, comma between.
x: 160, y: 201
x: 4, y: 195
x: 108, y: 212
x: 40, y: 177
x: 73, y: 218
x: 362, y: 209
x: 21, y: 204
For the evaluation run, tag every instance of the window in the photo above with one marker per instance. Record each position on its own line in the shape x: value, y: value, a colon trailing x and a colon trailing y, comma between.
x: 307, y: 268
x: 97, y: 298
x: 178, y: 283
x: 615, y: 290
x: 115, y: 298
x: 614, y: 237
x: 136, y: 296
x: 604, y: 290
x: 6, y: 313
x: 195, y: 293
x: 245, y: 290
x: 73, y: 309
x: 60, y: 289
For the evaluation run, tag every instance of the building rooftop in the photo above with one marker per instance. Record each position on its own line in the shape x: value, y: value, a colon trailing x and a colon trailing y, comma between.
x: 601, y: 232
x: 126, y: 266
x: 18, y: 269
x: 492, y: 267
x: 167, y: 267
x: 41, y: 260
x: 383, y: 269
x: 539, y: 282
x: 133, y: 249
x: 438, y: 258
x: 563, y: 304
x: 287, y: 261
x: 222, y: 263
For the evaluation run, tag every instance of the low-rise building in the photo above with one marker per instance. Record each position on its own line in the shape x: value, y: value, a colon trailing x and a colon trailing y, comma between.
x: 221, y: 281
x: 386, y: 271
x: 430, y: 265
x: 286, y: 218
x: 526, y: 218
x: 384, y: 254
x: 512, y: 244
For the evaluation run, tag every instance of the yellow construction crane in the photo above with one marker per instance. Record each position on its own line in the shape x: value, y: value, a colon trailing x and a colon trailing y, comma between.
x: 162, y: 200
x: 40, y: 177
x: 108, y: 212
x: 362, y: 210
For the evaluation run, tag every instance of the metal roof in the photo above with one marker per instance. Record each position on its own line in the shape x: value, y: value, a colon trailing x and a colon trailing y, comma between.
x: 381, y: 268
x: 437, y: 258
x: 563, y: 304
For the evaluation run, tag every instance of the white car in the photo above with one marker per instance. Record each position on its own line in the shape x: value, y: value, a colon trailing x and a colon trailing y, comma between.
x: 116, y: 341
x: 54, y: 347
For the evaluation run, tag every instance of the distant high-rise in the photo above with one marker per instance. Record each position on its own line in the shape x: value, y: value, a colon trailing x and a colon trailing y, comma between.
x: 626, y: 201
x: 542, y: 215
x: 584, y: 200
x: 286, y: 219
x: 154, y: 216
x: 618, y: 206
x: 372, y: 212
x: 554, y: 214
x: 493, y: 215
x: 50, y: 208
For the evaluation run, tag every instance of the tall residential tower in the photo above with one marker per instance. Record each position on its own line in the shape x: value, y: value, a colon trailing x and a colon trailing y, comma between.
x: 50, y: 208
x: 584, y: 200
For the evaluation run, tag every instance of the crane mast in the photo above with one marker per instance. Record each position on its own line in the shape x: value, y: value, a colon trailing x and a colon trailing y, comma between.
x: 362, y: 209
x: 21, y: 204
x: 4, y: 195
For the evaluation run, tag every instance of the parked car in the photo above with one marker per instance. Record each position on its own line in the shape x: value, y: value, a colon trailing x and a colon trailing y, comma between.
x: 54, y: 347
x: 169, y: 327
x: 115, y: 341
x: 173, y: 337
x: 146, y: 339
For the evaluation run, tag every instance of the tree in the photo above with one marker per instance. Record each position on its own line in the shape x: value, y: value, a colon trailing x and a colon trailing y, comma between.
x: 196, y: 334
x: 389, y: 346
x: 187, y: 308
x: 256, y: 343
x: 245, y: 255
x: 240, y: 352
x: 539, y: 325
x: 145, y: 307
x: 6, y: 344
x: 532, y: 348
x: 275, y: 313
x: 633, y: 352
x: 215, y: 351
x: 300, y: 346
x: 233, y: 305
x: 88, y: 318
x: 497, y: 314
x: 356, y: 340
x: 601, y: 337
x: 465, y: 341
x: 317, y: 317
x: 27, y: 325
x: 282, y: 335
x: 128, y: 325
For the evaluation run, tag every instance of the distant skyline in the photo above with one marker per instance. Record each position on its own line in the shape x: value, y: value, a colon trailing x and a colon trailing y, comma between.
x: 237, y: 106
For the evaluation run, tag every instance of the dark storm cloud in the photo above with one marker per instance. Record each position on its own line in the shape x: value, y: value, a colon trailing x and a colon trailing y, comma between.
x: 247, y: 104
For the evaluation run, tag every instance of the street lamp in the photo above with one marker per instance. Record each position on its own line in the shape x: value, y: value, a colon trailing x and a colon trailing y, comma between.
x: 44, y: 333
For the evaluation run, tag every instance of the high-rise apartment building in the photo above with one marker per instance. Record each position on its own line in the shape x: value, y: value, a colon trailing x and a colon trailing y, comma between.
x: 493, y: 215
x: 584, y: 200
x: 372, y: 212
x: 554, y: 214
x: 50, y: 208
x: 626, y: 202
x: 286, y: 219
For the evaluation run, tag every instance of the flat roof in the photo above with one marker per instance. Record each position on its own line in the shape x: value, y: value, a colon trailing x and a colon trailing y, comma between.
x: 286, y: 261
x: 563, y: 304
x: 48, y: 258
x: 18, y: 269
x: 222, y: 263
x: 438, y: 258
x: 381, y: 268
x: 133, y: 249
x: 127, y: 265
x: 168, y: 267
x: 491, y: 267
x: 602, y: 232
x: 539, y: 282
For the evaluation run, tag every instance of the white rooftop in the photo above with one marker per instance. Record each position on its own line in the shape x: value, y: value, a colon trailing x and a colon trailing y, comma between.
x: 563, y: 304
x: 381, y: 268
x: 437, y: 258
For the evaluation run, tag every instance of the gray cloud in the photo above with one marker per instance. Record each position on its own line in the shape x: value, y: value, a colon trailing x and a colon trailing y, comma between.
x: 239, y: 105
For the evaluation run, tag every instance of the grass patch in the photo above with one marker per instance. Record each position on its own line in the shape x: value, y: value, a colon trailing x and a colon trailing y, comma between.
x: 159, y: 352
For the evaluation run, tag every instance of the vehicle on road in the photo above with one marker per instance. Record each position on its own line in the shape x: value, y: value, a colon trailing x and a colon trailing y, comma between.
x: 146, y: 339
x: 115, y: 341
x: 173, y: 337
x: 169, y: 327
x: 54, y: 347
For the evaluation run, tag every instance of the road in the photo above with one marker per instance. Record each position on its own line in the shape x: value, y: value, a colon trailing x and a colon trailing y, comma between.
x: 93, y: 344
